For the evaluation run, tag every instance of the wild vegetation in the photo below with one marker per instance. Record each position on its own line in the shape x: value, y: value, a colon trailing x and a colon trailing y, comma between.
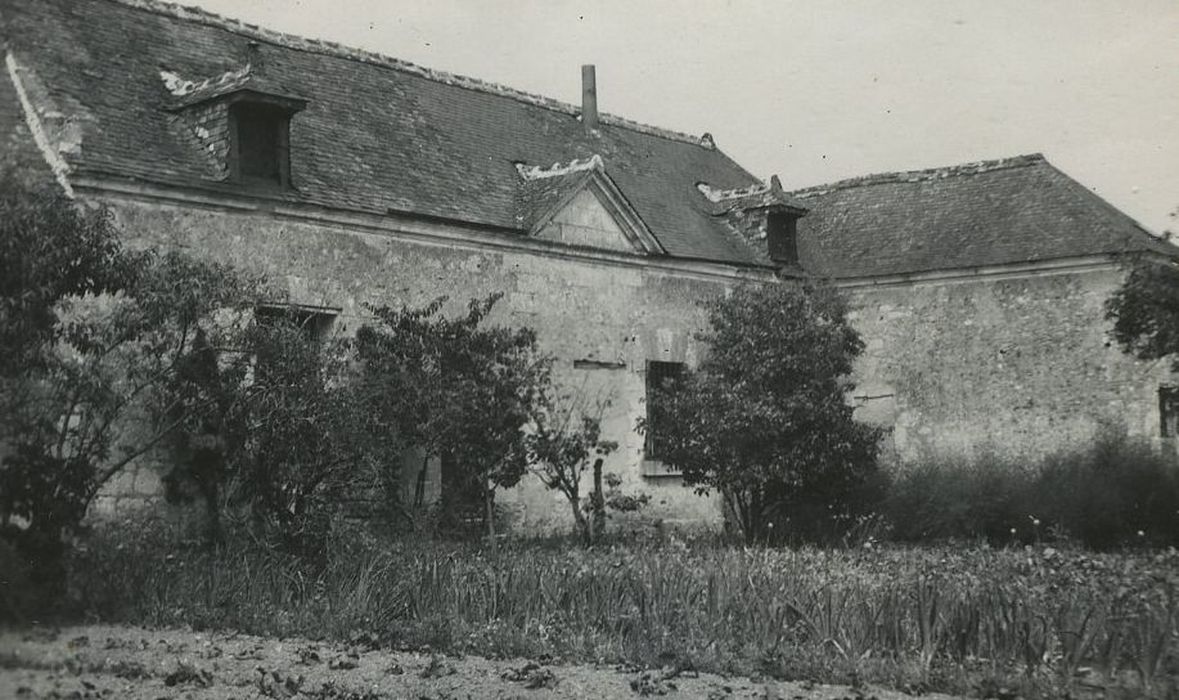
x: 966, y: 619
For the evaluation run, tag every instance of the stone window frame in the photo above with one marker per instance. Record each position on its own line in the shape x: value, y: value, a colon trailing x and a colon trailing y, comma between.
x: 279, y: 118
x: 657, y: 370
x: 316, y: 321
x: 1168, y: 411
x: 782, y: 236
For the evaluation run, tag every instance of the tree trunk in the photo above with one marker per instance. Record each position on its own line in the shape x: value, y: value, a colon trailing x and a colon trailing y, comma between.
x: 489, y: 499
x: 598, y: 504
x: 583, y: 526
x: 213, y: 530
x: 419, y: 488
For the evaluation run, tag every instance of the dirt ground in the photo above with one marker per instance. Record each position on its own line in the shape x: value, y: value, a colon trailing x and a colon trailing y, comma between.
x: 127, y: 662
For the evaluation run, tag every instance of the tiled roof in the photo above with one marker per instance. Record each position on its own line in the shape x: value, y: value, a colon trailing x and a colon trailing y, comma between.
x: 1003, y: 211
x: 377, y: 134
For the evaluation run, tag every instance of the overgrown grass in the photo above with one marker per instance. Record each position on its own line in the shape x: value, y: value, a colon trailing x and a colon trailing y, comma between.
x: 959, y: 620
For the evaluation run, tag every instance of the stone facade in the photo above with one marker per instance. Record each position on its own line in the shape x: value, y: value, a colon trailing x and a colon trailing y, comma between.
x: 602, y: 313
x: 1018, y: 364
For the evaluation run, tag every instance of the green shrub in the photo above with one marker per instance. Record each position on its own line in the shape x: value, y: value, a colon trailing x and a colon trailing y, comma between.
x: 1118, y: 492
x: 979, y: 499
x: 1121, y: 492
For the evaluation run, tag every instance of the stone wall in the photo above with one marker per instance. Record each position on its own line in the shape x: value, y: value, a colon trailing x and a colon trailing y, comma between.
x: 602, y: 314
x: 1019, y: 365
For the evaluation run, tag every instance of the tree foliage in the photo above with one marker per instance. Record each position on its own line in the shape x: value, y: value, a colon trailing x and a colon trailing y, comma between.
x: 456, y: 388
x: 765, y: 420
x: 564, y: 441
x: 93, y: 334
x: 49, y: 250
x: 284, y: 438
x: 1145, y: 311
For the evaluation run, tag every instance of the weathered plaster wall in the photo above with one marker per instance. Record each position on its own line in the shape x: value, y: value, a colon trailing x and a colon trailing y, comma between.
x: 1020, y: 366
x: 595, y: 313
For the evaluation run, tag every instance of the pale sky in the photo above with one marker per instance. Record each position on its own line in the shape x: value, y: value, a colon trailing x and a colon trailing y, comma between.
x: 816, y: 91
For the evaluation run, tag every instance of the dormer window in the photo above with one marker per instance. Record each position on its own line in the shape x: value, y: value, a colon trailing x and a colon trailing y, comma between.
x: 242, y: 120
x: 782, y: 236
x: 260, y: 146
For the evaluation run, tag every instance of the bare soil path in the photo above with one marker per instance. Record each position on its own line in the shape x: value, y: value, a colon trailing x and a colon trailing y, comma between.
x: 136, y: 663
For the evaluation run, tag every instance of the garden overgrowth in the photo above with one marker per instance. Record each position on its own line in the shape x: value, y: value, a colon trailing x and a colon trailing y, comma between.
x: 1036, y: 621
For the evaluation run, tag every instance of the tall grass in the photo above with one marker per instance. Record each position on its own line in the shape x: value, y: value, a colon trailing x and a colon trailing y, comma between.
x: 942, y: 619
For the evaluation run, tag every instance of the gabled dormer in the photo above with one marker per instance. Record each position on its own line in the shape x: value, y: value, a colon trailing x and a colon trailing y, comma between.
x: 242, y: 122
x: 764, y: 215
x: 577, y: 203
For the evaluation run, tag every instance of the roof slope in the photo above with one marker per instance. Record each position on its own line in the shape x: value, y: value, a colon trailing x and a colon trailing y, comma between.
x: 1018, y: 209
x: 377, y: 134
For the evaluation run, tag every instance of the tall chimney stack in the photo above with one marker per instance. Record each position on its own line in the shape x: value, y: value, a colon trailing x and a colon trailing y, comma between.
x: 589, y: 99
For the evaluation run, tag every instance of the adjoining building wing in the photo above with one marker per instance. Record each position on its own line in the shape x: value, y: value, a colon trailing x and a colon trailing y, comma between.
x: 1015, y: 210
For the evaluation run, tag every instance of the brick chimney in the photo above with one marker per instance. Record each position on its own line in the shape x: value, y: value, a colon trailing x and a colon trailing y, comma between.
x: 589, y: 99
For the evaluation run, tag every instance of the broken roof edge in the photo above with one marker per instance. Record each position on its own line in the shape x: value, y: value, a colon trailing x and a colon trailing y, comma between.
x: 338, y: 50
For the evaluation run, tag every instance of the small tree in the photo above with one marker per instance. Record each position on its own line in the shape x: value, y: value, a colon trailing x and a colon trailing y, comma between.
x: 564, y: 442
x: 1145, y: 310
x: 455, y: 388
x: 93, y: 336
x: 285, y: 435
x: 764, y: 420
x: 50, y: 250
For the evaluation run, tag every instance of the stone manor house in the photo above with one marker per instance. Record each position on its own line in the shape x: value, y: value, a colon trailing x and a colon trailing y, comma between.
x: 356, y: 178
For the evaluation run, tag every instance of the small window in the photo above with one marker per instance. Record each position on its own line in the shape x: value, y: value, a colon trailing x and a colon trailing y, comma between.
x: 278, y: 359
x: 782, y: 237
x: 662, y: 377
x: 261, y: 144
x: 315, y: 322
x: 1169, y: 411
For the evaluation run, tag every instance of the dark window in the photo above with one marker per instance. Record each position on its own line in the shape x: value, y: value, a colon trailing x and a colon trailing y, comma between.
x: 782, y: 237
x: 662, y: 378
x: 313, y: 322
x: 292, y: 344
x: 261, y: 143
x: 1169, y: 411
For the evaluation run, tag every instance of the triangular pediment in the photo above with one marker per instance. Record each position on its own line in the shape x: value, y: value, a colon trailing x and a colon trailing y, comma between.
x: 591, y: 212
x: 584, y: 220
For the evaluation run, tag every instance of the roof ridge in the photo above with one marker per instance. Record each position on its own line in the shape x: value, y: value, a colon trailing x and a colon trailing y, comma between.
x: 336, y: 49
x: 924, y: 175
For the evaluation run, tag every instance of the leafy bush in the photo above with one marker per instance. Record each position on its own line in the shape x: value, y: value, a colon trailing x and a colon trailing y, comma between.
x: 92, y: 336
x: 1117, y: 492
x: 1120, y: 492
x: 456, y: 388
x: 286, y: 440
x: 765, y: 420
x: 983, y: 499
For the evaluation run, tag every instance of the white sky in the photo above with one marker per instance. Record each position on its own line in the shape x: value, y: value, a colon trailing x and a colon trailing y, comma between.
x: 815, y: 90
